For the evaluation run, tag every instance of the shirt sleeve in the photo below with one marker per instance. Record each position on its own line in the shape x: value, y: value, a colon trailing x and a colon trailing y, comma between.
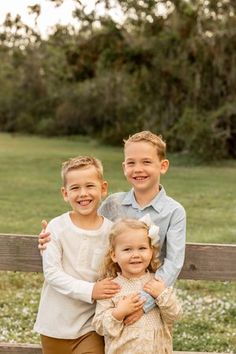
x: 104, y: 210
x: 104, y: 323
x: 175, y: 248
x: 169, y: 306
x: 110, y: 208
x: 149, y: 303
x: 58, y: 279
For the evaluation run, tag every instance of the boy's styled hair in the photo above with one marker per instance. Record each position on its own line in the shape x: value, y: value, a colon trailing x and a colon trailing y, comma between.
x: 149, y: 137
x: 109, y: 268
x: 77, y: 162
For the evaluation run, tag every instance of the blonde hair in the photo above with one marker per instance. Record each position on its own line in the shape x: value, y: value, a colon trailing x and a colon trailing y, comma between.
x: 78, y: 162
x: 149, y: 137
x: 109, y: 268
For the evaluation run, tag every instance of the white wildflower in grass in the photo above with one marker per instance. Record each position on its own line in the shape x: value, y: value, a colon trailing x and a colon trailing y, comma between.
x: 208, y: 321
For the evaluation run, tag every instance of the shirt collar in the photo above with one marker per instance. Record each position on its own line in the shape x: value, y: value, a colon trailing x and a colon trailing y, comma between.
x: 156, y: 203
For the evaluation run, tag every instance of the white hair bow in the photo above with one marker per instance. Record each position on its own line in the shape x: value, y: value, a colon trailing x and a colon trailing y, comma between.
x: 153, y: 232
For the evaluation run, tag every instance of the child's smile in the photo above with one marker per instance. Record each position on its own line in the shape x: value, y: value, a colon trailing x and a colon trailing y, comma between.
x: 85, y: 202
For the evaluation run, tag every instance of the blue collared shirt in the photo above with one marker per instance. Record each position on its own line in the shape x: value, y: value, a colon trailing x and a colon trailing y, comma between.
x: 166, y: 213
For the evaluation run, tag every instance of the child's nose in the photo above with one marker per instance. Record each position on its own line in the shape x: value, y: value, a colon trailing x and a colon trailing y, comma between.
x: 137, y: 167
x: 135, y: 253
x: 83, y: 191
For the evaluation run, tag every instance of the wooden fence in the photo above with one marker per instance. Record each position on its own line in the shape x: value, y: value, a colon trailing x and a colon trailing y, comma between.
x: 202, y: 262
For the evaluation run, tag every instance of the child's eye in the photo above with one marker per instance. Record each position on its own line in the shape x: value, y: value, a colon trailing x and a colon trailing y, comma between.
x: 127, y: 249
x: 130, y: 163
x: 74, y: 188
x: 147, y: 162
x: 143, y: 248
x: 90, y: 185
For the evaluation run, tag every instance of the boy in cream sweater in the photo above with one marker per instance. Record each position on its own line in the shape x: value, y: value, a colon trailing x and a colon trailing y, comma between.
x: 71, y: 261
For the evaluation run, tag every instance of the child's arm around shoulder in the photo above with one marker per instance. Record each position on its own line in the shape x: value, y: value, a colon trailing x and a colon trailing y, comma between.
x: 175, y: 247
x: 165, y: 299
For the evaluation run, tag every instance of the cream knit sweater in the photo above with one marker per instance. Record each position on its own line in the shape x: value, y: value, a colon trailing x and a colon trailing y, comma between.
x: 70, y: 265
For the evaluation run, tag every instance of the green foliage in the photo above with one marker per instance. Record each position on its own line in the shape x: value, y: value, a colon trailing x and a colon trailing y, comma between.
x: 218, y: 126
x: 173, y: 73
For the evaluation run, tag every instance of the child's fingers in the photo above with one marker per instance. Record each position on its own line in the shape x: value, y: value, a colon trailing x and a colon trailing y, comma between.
x: 108, y: 294
x: 111, y: 292
x: 133, y: 317
x: 44, y: 225
x: 43, y: 246
x: 140, y: 303
x: 136, y: 301
x: 43, y: 237
x: 109, y: 284
x: 136, y: 297
x: 146, y: 288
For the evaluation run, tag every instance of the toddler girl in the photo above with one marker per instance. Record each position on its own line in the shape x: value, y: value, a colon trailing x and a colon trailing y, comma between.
x: 132, y: 260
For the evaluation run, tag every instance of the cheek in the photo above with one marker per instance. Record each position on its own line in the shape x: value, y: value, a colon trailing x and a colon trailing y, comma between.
x: 149, y: 255
x: 121, y: 256
x: 124, y: 258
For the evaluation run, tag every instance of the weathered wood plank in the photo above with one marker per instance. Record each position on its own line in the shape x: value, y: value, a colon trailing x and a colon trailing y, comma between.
x: 202, y: 261
x: 19, y: 253
x: 209, y: 262
x: 15, y: 348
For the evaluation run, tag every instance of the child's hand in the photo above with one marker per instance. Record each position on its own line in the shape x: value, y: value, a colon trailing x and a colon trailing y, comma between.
x: 154, y: 287
x: 43, y: 237
x: 128, y: 305
x: 104, y: 289
x: 133, y: 317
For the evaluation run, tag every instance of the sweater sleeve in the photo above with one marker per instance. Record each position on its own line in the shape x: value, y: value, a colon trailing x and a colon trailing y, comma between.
x: 169, y: 306
x: 58, y: 279
x: 104, y: 323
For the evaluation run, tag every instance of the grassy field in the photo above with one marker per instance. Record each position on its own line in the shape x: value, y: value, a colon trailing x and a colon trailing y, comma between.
x: 29, y: 189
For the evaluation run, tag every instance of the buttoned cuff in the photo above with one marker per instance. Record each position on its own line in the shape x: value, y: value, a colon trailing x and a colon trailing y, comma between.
x: 149, y: 303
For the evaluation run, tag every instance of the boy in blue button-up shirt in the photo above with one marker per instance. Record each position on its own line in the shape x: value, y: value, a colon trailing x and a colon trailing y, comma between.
x: 144, y: 163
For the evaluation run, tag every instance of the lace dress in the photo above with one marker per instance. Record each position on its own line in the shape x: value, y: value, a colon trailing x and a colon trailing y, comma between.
x: 151, y: 334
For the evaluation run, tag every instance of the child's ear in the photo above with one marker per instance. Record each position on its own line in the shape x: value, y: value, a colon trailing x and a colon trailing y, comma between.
x: 64, y: 194
x: 113, y: 256
x: 104, y: 189
x: 164, y: 166
x: 123, y: 166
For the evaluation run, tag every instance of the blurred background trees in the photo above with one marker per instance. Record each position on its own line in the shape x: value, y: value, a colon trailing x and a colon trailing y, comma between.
x: 167, y: 66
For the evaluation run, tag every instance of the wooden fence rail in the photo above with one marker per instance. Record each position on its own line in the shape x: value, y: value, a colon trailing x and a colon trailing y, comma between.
x: 202, y: 262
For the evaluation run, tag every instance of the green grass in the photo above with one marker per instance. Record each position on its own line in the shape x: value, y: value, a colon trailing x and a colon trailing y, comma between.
x: 30, y: 191
x: 30, y: 186
x: 30, y: 177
